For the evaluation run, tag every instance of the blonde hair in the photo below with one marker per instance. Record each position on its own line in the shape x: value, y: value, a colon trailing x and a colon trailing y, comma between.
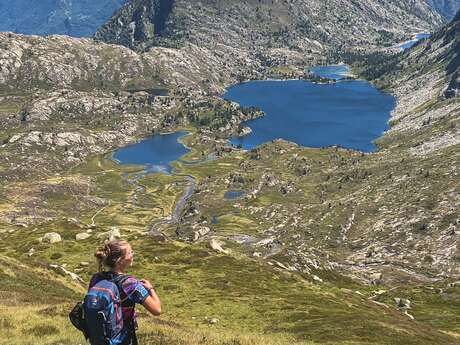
x: 110, y: 253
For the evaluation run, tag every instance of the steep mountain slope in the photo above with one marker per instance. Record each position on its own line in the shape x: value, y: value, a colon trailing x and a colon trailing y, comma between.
x: 82, y: 101
x: 426, y: 79
x: 448, y: 8
x: 304, y: 26
x: 45, y: 17
x: 29, y: 61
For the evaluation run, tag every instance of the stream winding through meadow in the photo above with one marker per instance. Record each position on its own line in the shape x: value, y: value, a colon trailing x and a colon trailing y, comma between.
x: 348, y: 113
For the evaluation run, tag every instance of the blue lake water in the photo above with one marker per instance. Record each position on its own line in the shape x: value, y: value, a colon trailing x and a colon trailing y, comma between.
x: 155, y: 153
x: 411, y: 43
x: 233, y: 194
x: 336, y: 72
x: 351, y: 114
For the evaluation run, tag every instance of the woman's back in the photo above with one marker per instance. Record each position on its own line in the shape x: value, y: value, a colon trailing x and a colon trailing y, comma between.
x: 131, y: 291
x: 121, y: 291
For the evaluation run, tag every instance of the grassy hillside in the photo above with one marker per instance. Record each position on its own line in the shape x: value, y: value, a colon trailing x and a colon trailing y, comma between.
x: 256, y: 301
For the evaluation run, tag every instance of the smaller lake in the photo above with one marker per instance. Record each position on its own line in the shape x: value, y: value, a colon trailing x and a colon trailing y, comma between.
x: 233, y: 194
x: 155, y: 153
x: 336, y: 72
x: 411, y: 43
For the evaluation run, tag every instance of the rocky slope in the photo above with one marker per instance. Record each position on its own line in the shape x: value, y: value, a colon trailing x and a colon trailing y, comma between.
x: 45, y: 17
x: 72, y: 104
x: 92, y: 97
x: 419, y: 185
x: 39, y: 62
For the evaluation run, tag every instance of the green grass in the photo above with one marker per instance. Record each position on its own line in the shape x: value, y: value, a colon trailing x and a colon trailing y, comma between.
x: 255, y: 303
x: 196, y: 284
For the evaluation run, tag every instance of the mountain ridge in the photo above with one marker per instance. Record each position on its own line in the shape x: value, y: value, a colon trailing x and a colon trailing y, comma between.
x: 81, y: 19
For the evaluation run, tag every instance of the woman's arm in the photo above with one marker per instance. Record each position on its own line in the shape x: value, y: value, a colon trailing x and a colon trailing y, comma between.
x: 152, y: 302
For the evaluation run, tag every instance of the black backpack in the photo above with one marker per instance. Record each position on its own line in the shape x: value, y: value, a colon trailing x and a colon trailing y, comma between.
x: 77, y: 318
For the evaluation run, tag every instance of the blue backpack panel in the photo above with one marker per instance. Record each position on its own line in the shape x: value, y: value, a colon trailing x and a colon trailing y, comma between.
x: 103, y: 314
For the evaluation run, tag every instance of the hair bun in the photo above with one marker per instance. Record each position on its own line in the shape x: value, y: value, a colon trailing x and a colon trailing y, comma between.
x: 110, y: 253
x: 107, y: 249
x: 101, y: 253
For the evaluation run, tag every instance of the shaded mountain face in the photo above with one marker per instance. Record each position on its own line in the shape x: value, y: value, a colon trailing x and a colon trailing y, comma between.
x: 442, y: 53
x: 426, y: 79
x: 447, y: 8
x: 74, y: 18
x: 138, y: 21
x: 303, y: 25
x: 451, y: 36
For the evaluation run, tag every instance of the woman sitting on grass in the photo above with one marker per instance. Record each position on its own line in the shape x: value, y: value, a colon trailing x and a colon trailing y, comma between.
x: 117, y: 256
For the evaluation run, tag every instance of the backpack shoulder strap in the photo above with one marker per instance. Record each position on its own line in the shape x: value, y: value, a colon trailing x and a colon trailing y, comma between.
x: 119, y: 280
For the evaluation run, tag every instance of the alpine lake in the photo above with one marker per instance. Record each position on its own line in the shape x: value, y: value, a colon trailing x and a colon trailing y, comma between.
x: 343, y: 112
